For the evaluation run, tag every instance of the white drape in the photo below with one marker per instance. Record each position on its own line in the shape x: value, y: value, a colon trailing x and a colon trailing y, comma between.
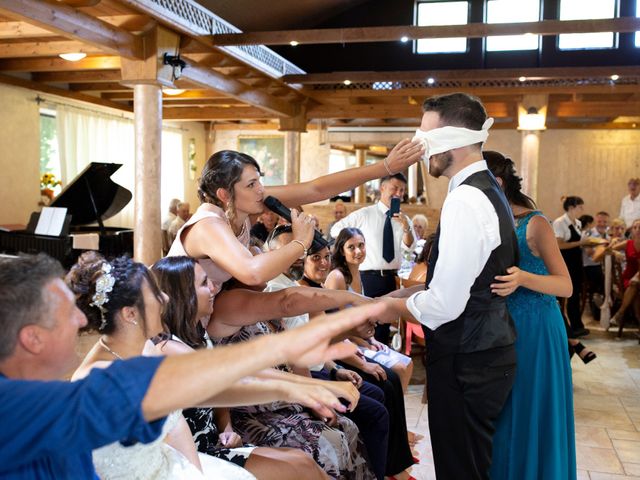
x: 86, y: 136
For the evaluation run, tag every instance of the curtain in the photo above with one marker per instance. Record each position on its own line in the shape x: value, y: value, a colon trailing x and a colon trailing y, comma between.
x: 86, y: 136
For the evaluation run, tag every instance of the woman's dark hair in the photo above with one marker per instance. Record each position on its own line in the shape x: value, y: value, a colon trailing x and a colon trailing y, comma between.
x: 586, y: 220
x: 503, y: 167
x: 176, y: 276
x: 129, y: 278
x: 223, y: 170
x: 339, y: 260
x: 423, y: 257
x: 571, y: 201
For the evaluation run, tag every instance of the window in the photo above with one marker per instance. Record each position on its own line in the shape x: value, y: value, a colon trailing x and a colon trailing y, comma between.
x: 442, y: 13
x: 637, y: 15
x: 583, y: 10
x: 49, y: 156
x: 513, y: 11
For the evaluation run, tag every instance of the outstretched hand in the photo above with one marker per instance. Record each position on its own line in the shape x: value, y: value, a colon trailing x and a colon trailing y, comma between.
x: 404, y: 154
x: 509, y: 283
x: 312, y: 343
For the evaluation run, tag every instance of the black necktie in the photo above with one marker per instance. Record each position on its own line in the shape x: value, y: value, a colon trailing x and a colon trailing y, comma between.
x: 388, y: 250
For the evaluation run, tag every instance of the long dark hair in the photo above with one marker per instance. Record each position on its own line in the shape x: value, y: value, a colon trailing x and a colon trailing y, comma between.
x: 223, y: 170
x: 176, y: 276
x: 571, y: 201
x: 339, y: 260
x: 129, y: 278
x: 503, y: 167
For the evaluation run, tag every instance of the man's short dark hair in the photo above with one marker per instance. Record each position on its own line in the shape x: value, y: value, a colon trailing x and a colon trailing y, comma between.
x: 22, y: 298
x: 397, y: 176
x: 603, y: 213
x: 457, y: 110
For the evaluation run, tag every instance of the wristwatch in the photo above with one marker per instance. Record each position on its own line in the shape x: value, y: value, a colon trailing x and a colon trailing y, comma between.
x: 333, y: 372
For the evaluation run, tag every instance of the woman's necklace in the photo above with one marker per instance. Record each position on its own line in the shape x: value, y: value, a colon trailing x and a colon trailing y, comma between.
x: 104, y: 345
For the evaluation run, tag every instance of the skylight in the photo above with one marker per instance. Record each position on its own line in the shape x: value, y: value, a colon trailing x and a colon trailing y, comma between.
x: 513, y: 11
x: 584, y: 10
x: 442, y: 13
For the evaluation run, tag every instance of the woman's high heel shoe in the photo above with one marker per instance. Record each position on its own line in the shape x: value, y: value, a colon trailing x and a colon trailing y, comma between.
x: 587, y: 356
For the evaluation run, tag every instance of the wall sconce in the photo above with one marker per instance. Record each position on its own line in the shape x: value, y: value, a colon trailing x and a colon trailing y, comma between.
x: 531, y: 120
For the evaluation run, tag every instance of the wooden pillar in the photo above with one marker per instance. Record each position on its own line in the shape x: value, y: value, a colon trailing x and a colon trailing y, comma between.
x: 147, y: 105
x: 361, y: 157
x: 530, y: 159
x: 292, y: 157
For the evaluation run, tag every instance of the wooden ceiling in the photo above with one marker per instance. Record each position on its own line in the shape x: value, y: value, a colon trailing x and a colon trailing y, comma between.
x: 224, y: 85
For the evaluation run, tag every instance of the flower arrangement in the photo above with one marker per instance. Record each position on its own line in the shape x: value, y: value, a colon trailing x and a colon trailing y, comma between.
x: 49, y: 180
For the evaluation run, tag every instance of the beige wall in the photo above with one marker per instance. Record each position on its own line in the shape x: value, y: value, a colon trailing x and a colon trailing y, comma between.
x: 594, y: 164
x: 20, y: 155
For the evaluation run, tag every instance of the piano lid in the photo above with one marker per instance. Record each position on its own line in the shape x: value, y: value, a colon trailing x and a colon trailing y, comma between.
x: 92, y: 196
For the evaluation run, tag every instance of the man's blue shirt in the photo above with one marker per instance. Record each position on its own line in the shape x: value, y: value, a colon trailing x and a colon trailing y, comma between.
x: 48, y: 429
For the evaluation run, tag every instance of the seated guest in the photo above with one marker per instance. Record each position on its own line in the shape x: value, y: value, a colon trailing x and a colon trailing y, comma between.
x: 166, y: 223
x: 190, y: 303
x: 122, y: 301
x: 594, y: 276
x: 420, y: 226
x: 339, y: 212
x: 265, y: 224
x: 630, y: 274
x: 399, y: 457
x: 349, y: 252
x: 51, y: 427
x: 630, y: 204
x: 182, y: 215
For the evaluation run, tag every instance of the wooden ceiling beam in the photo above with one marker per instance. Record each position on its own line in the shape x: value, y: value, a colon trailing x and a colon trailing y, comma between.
x: 422, y: 93
x: 40, y: 87
x: 474, y: 75
x: 68, y: 21
x: 211, y: 79
x: 211, y: 113
x: 22, y: 30
x: 99, y: 87
x: 93, y: 76
x: 44, y: 48
x: 496, y: 110
x: 394, y: 33
x: 169, y: 102
x: 57, y: 64
x: 188, y: 94
x: 594, y: 109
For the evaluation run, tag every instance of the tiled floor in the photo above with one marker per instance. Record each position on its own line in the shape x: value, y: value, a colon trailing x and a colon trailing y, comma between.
x: 607, y: 411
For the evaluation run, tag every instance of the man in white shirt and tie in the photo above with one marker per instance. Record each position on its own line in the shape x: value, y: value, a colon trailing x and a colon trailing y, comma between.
x: 384, y: 250
x: 468, y: 330
x: 630, y: 204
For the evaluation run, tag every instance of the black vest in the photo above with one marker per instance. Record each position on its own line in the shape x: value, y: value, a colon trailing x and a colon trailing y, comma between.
x: 485, y: 322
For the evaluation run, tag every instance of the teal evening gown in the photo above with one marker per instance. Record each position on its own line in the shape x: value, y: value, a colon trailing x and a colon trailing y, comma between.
x: 534, y: 436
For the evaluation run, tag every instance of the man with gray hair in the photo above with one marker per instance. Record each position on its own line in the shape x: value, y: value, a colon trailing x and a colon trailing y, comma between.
x: 49, y: 427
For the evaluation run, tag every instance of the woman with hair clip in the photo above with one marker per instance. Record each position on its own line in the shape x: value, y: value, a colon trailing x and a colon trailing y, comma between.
x: 349, y: 251
x: 534, y: 435
x: 122, y: 301
x: 217, y: 235
x: 279, y: 423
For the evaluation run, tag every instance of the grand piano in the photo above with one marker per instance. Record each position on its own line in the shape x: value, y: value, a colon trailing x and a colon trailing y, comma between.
x: 92, y: 197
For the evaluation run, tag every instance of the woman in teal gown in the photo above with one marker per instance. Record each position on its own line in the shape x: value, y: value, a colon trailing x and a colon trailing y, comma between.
x: 534, y: 436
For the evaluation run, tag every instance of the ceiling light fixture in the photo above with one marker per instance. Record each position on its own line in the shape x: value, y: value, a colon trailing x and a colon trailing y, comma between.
x: 72, y: 56
x: 615, y: 77
x: 522, y: 79
x: 404, y: 39
x: 347, y: 82
x: 293, y: 43
x: 173, y: 91
x: 531, y: 121
x: 431, y: 80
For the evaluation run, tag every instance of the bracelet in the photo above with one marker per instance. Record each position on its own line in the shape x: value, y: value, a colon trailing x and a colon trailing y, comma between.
x: 386, y: 165
x: 304, y: 254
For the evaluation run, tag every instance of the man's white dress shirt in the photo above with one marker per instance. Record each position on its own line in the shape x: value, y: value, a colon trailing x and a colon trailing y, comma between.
x: 630, y: 209
x: 370, y: 220
x: 469, y: 232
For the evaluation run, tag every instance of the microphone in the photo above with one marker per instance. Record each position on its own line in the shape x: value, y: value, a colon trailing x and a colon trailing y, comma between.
x: 276, y: 206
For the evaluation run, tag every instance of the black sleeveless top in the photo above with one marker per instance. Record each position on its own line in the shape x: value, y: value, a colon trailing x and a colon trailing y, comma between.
x: 485, y: 322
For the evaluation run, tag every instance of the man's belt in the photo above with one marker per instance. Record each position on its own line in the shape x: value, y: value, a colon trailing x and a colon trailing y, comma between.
x: 380, y: 273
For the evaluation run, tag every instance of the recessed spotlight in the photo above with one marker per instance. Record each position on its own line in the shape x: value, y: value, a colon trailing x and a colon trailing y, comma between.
x: 173, y: 91
x: 615, y: 77
x: 404, y: 39
x: 522, y: 79
x: 293, y: 43
x: 73, y: 56
x: 347, y: 82
x: 431, y: 80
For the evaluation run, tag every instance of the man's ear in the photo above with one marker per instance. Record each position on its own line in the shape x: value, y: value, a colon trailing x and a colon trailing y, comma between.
x: 31, y: 338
